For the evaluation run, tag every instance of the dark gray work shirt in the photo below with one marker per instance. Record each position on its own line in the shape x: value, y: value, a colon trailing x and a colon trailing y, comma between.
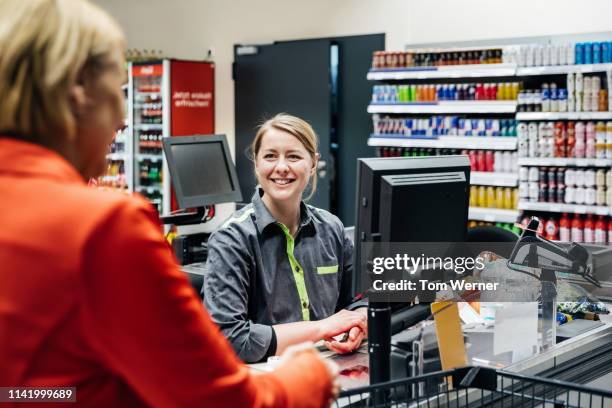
x: 259, y: 275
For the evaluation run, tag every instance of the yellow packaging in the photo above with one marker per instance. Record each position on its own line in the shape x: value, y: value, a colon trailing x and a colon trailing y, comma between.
x: 499, y: 197
x: 474, y: 202
x: 482, y: 198
x: 490, y: 197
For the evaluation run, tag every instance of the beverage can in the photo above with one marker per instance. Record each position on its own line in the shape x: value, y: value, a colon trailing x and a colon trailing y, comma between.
x: 579, y: 53
x: 571, y: 83
x: 570, y: 180
x: 564, y: 228
x: 554, y: 55
x: 497, y: 163
x: 538, y: 50
x: 588, y: 53
x: 545, y: 98
x: 590, y: 195
x: 523, y: 190
x: 560, y: 193
x: 589, y: 229
x: 507, y: 162
x: 533, y: 191
x: 499, y: 198
x: 579, y: 177
x: 579, y: 82
x: 533, y: 174
x: 600, y: 178
x: 589, y: 177
x: 570, y: 53
x: 569, y: 194
x: 543, y: 193
x: 600, y: 198
x: 596, y: 53
x: 490, y: 197
x: 579, y: 195
x: 562, y: 99
x: 560, y: 176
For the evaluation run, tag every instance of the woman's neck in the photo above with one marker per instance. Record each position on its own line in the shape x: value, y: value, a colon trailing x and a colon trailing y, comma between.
x: 286, y: 213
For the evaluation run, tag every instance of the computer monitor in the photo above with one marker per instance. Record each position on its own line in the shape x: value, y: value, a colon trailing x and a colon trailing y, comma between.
x: 406, y: 199
x: 410, y: 199
x: 201, y: 170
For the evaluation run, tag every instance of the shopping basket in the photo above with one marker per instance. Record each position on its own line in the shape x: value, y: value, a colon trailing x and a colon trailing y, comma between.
x: 475, y: 387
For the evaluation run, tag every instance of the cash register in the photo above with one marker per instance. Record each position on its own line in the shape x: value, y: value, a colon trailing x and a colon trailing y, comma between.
x: 202, y: 174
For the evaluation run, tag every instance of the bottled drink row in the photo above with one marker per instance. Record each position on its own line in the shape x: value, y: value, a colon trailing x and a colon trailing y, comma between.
x: 565, y: 139
x: 575, y: 228
x: 570, y: 186
x: 413, y: 152
x: 494, y: 197
x: 505, y: 225
x: 443, y: 126
x: 583, y: 94
x: 149, y: 172
x: 150, y: 143
x: 528, y: 55
x: 118, y: 143
x: 492, y: 161
x: 406, y: 59
x: 445, y: 92
x: 536, y: 55
x: 480, y: 160
x: 148, y: 84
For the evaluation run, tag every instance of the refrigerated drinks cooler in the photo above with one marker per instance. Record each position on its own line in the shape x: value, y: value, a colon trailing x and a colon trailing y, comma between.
x: 168, y: 98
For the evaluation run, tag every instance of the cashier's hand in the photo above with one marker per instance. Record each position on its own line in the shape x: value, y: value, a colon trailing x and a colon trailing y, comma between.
x: 351, y: 339
x: 342, y: 322
x: 308, y: 347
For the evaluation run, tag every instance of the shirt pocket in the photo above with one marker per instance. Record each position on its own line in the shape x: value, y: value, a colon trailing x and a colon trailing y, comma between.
x: 327, y: 270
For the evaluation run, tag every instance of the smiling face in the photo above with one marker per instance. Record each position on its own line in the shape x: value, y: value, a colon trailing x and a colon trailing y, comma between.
x: 283, y: 166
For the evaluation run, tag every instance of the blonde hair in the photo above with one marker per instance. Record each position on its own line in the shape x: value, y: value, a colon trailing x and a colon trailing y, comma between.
x: 44, y: 46
x: 296, y: 127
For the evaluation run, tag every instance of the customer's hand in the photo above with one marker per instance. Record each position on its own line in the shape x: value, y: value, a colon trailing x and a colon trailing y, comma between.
x: 342, y: 322
x: 308, y: 347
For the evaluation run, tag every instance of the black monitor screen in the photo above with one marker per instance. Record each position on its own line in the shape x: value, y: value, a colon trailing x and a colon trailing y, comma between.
x: 202, y: 169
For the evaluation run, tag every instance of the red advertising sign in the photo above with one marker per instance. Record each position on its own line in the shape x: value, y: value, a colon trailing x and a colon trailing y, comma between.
x: 147, y: 70
x: 192, y: 109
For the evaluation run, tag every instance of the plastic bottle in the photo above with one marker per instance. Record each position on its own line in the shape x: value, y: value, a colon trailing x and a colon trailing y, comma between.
x: 600, y: 230
x: 551, y: 229
x: 577, y: 233
x: 571, y: 140
x: 564, y: 228
x: 579, y: 147
x: 589, y: 229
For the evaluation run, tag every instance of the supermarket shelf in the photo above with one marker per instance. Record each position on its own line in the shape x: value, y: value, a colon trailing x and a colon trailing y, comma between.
x: 116, y: 156
x: 492, y: 214
x: 561, y: 208
x: 448, y: 142
x: 483, y: 178
x: 445, y: 107
x: 450, y: 71
x: 148, y: 127
x: 562, y: 69
x: 564, y: 116
x: 152, y: 157
x: 563, y: 161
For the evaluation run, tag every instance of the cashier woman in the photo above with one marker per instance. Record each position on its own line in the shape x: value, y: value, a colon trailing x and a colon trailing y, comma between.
x: 279, y: 269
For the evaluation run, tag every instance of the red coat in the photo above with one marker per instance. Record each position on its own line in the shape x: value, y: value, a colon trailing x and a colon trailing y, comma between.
x: 91, y: 297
